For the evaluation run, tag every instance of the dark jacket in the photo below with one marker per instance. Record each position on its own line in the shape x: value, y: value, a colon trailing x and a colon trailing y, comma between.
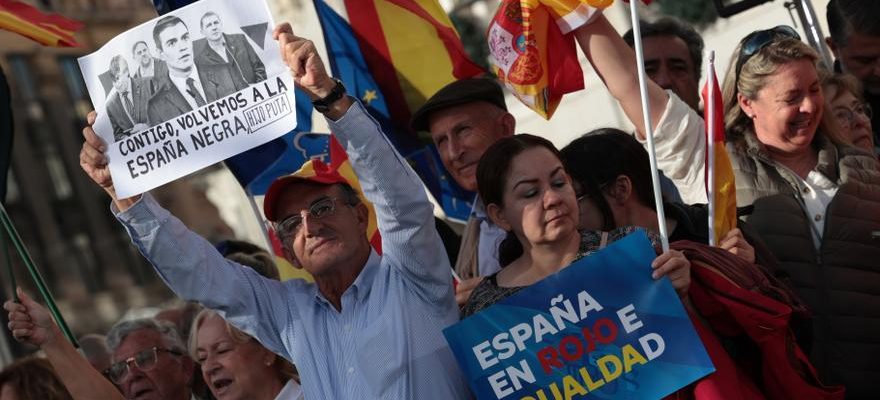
x: 692, y: 223
x: 168, y: 102
x: 840, y: 281
x: 740, y: 302
x: 244, y: 61
x: 120, y: 120
x: 160, y: 70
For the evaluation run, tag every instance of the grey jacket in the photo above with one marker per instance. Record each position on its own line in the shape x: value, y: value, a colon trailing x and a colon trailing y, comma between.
x: 841, y: 280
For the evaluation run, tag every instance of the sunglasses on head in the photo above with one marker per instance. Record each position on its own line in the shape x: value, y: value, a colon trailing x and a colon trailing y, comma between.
x: 757, y: 40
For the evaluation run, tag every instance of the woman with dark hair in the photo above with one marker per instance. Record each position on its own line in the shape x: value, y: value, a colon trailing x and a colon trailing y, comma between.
x: 31, y: 378
x: 612, y: 176
x: 31, y: 323
x: 528, y: 193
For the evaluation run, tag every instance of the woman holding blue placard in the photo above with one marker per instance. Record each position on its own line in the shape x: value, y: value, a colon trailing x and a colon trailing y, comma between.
x: 528, y: 192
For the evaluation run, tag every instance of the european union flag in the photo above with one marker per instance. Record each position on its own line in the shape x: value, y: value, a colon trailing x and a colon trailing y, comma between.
x: 348, y: 64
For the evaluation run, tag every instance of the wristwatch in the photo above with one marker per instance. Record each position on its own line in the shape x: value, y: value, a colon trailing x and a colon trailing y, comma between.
x: 323, y: 105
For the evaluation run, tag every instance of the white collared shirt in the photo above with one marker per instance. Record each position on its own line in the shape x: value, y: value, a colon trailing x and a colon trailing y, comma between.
x: 491, y: 236
x: 817, y: 192
x: 219, y: 49
x: 147, y: 72
x: 290, y: 391
x: 180, y: 82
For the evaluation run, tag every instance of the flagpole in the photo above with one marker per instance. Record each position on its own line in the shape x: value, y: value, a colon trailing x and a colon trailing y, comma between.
x: 35, y: 275
x: 710, y: 140
x: 13, y: 285
x: 263, y: 225
x: 649, y: 127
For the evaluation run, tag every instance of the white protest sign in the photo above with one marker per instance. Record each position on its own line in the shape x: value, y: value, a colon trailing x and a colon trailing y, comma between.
x: 188, y: 89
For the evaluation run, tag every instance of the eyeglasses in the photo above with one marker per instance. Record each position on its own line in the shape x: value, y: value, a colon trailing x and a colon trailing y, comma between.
x: 144, y: 360
x: 847, y: 116
x: 319, y: 209
x: 756, y: 41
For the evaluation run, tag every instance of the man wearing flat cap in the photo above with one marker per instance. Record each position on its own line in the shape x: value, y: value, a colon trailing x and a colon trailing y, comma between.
x: 370, y: 326
x: 464, y: 118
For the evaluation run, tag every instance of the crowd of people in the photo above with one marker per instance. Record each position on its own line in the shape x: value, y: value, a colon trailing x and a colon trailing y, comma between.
x: 802, y: 258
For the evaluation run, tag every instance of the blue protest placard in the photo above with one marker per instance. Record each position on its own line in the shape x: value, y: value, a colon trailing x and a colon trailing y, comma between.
x: 601, y: 328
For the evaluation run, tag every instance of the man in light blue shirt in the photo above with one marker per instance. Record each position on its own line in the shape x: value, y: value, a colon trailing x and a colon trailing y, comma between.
x: 370, y: 327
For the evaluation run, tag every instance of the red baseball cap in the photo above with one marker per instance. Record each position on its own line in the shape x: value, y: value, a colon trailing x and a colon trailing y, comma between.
x: 312, y: 171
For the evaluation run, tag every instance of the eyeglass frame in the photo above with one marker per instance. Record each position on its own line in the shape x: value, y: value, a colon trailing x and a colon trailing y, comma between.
x: 108, y: 372
x: 282, y: 232
x: 865, y: 111
x: 755, y: 41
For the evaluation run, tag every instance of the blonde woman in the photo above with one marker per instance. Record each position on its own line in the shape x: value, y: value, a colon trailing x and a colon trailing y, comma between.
x: 811, y: 197
x: 816, y: 199
x: 235, y: 366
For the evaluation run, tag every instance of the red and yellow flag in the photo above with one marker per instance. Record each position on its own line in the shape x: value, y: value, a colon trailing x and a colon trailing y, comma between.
x: 47, y: 29
x: 532, y: 52
x: 720, y: 183
x: 411, y: 50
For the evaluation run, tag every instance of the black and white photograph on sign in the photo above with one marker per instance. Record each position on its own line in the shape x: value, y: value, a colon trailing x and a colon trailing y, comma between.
x: 203, y: 82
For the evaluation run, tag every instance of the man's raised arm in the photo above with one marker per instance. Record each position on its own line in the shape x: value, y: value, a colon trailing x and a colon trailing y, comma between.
x: 679, y: 134
x: 187, y: 263
x: 404, y: 214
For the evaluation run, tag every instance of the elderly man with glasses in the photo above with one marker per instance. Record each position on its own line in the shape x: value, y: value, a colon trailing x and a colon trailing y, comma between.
x: 149, y: 361
x: 370, y: 327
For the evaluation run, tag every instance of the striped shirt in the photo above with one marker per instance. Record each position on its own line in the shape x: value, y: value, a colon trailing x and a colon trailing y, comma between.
x: 387, y: 341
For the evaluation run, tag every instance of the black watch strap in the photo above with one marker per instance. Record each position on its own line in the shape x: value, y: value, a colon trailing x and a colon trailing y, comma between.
x: 323, y: 105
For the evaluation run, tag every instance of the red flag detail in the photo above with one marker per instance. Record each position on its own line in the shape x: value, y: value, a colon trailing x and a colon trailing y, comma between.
x: 46, y: 29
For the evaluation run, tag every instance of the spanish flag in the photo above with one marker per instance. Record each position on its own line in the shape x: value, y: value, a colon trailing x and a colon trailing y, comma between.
x: 410, y: 49
x: 532, y: 51
x: 720, y: 185
x: 47, y: 29
x: 393, y: 55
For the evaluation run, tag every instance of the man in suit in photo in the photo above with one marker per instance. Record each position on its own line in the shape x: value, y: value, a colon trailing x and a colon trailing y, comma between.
x: 188, y: 86
x: 127, y: 104
x: 147, y: 65
x: 218, y: 48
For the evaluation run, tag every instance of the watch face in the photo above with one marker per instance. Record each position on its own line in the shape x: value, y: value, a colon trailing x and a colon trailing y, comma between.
x: 321, y: 108
x: 323, y: 105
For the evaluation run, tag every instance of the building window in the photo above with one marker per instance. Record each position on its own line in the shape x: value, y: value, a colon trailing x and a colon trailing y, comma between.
x: 75, y: 86
x: 24, y: 81
x: 58, y: 175
x: 13, y: 193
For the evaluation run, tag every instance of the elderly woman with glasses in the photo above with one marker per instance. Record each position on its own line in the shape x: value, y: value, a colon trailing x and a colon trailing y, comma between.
x: 813, y: 198
x: 849, y: 109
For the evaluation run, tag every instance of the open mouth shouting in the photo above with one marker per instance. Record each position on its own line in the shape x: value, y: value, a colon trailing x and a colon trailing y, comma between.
x: 221, y: 386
